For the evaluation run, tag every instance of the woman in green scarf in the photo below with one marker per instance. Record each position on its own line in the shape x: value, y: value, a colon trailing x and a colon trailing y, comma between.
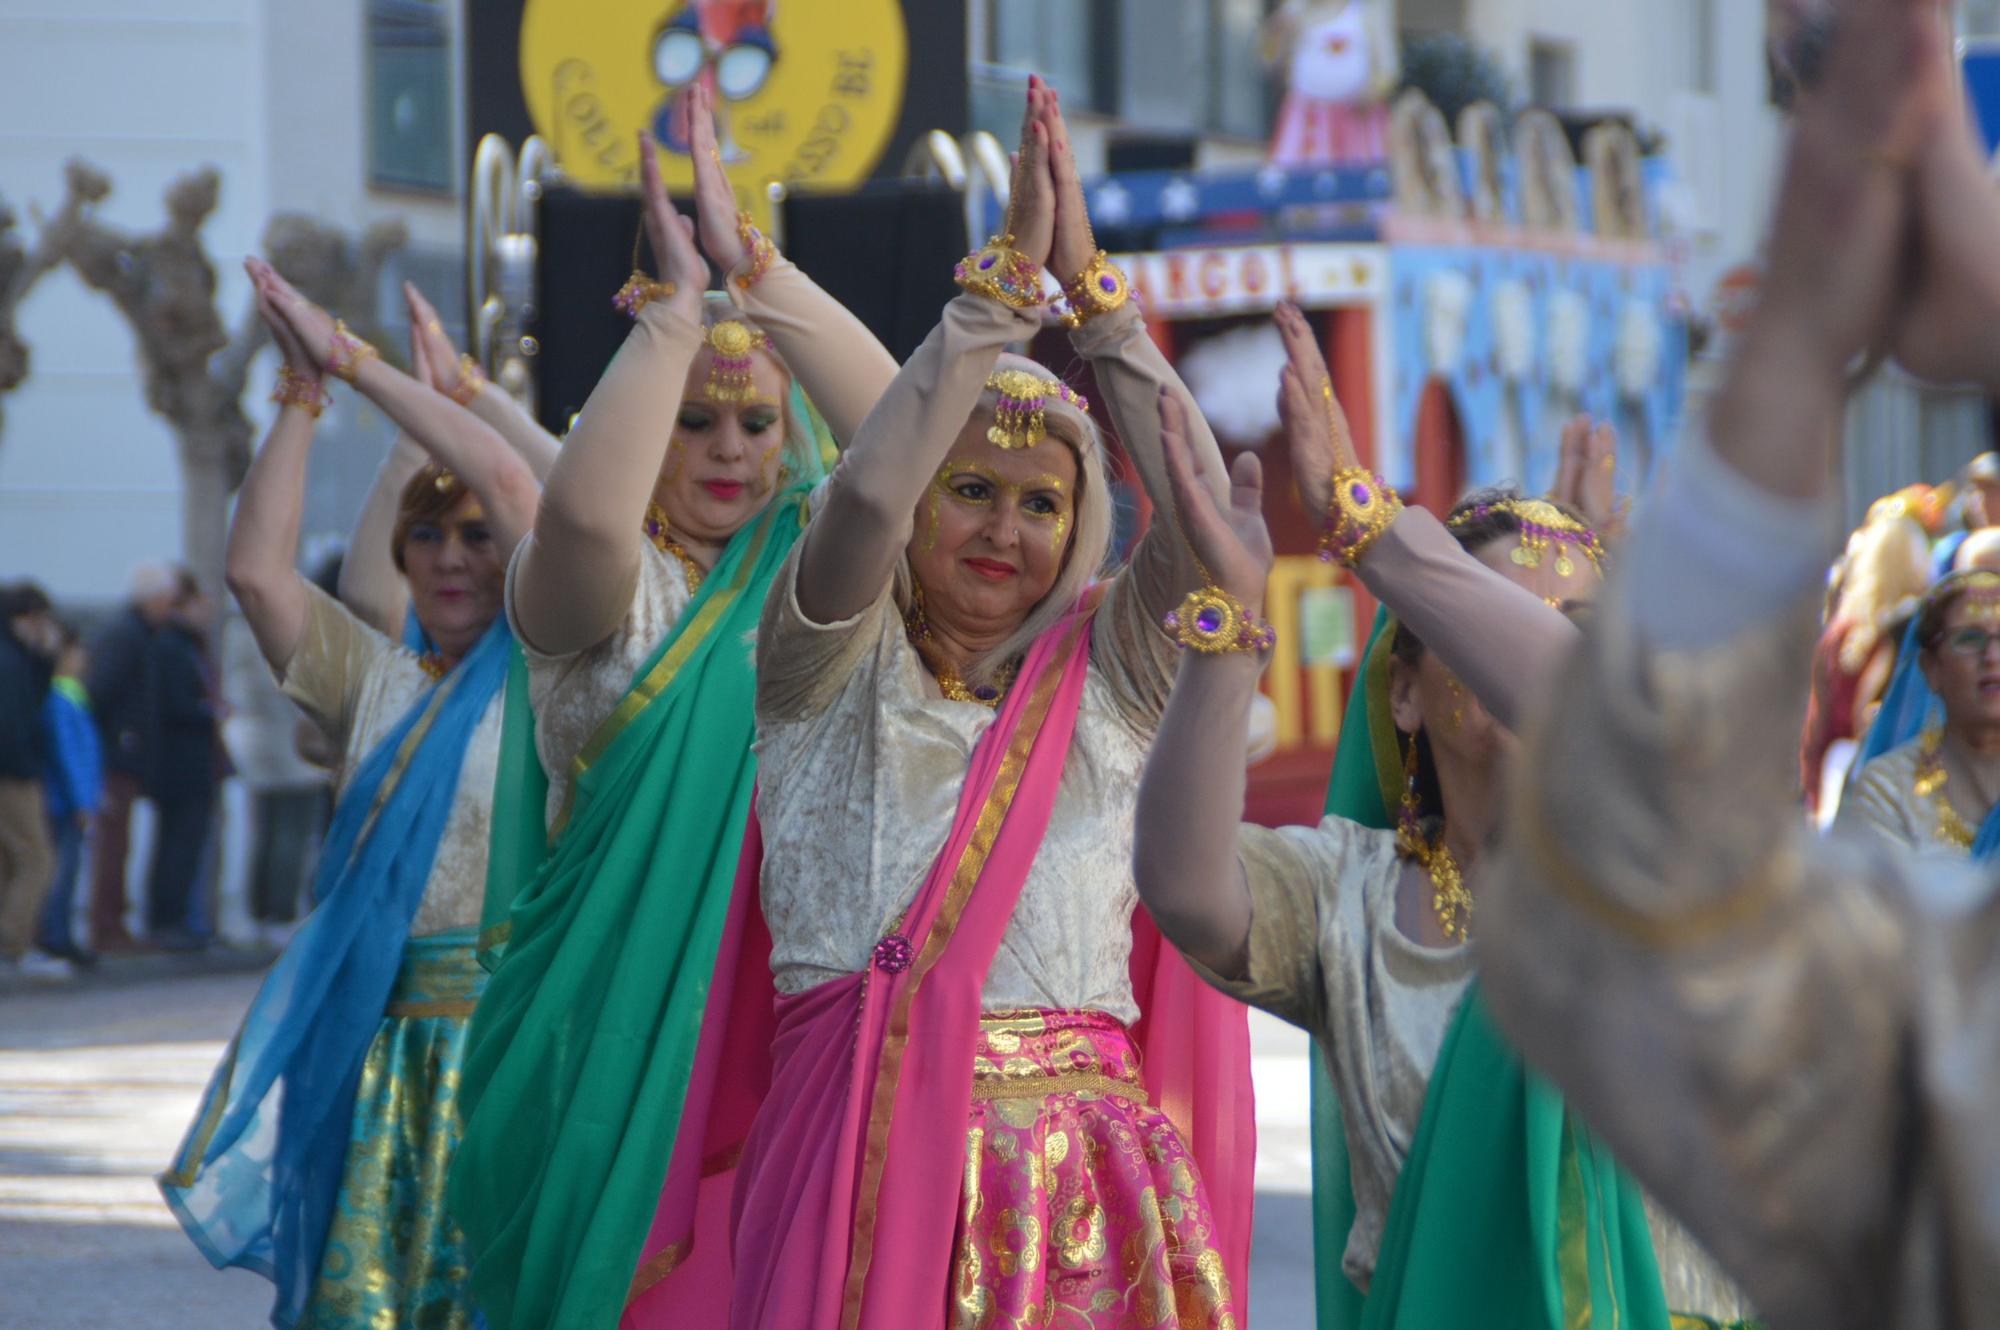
x: 627, y: 766
x: 1454, y: 1190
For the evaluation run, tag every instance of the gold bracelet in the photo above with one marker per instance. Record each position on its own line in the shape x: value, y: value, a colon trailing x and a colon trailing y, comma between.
x: 1363, y: 507
x: 640, y: 291
x: 1212, y: 621
x: 1098, y: 289
x: 757, y: 247
x: 1001, y: 272
x: 348, y: 353
x: 471, y: 378
x: 300, y: 390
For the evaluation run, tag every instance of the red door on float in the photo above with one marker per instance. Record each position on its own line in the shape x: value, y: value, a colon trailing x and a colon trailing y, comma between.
x: 1440, y: 450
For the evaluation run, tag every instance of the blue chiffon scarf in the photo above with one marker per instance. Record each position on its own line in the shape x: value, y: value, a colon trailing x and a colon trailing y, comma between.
x: 256, y: 1180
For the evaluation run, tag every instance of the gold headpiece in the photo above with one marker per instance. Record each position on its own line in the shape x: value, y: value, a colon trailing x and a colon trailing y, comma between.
x: 1542, y: 525
x: 1979, y: 588
x: 1020, y: 419
x: 730, y: 343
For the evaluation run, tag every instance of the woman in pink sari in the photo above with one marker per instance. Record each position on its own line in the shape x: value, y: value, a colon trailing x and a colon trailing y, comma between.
x: 990, y: 1096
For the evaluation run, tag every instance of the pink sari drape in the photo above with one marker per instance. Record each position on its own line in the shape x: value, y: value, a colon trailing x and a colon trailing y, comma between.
x: 841, y: 1112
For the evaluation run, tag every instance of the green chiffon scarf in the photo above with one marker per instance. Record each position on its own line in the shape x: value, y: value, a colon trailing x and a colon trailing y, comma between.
x: 1507, y: 1212
x: 602, y: 938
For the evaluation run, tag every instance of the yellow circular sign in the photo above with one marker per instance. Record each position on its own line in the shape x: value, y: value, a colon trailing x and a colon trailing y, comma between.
x: 807, y: 92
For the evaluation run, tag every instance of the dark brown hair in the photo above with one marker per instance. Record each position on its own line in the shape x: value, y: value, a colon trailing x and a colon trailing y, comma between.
x: 1949, y: 590
x: 427, y: 500
x: 1476, y: 521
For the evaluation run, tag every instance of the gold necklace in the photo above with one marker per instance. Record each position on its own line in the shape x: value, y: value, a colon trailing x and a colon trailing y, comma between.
x: 1449, y: 898
x: 663, y: 540
x: 434, y: 664
x: 950, y: 683
x: 1930, y: 782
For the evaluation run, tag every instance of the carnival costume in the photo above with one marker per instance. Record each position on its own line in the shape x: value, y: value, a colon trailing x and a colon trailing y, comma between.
x: 318, y: 1155
x: 626, y: 778
x: 981, y: 1090
x: 1451, y: 1188
x: 1899, y: 787
x: 1821, y: 1014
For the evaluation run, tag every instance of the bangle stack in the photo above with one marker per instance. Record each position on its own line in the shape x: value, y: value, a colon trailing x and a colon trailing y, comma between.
x: 640, y: 291
x: 757, y: 249
x: 1098, y: 289
x: 348, y: 353
x: 1001, y: 272
x: 300, y: 390
x: 1363, y: 507
x: 1212, y: 621
x: 471, y: 378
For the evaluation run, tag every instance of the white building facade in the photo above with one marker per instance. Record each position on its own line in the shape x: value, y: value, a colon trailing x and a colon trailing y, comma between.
x: 344, y: 110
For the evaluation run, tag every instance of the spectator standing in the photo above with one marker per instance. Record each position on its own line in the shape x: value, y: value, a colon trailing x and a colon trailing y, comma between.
x: 73, y: 785
x: 27, y: 863
x: 184, y: 763
x: 117, y: 688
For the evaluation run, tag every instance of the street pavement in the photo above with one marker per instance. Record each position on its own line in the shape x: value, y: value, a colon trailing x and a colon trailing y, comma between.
x: 98, y: 1080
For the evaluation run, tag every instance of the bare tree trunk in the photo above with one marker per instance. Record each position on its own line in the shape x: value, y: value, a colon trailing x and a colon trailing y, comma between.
x: 164, y: 285
x: 207, y: 481
x: 21, y: 268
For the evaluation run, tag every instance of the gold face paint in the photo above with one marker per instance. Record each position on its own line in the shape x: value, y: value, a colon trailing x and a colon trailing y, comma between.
x: 943, y: 487
x: 770, y: 472
x: 1457, y: 691
x: 1981, y: 607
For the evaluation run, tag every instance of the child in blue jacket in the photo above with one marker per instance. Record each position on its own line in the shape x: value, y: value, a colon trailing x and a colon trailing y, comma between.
x: 72, y: 786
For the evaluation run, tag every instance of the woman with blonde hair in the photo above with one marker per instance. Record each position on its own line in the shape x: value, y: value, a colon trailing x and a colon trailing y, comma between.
x: 952, y: 1116
x: 627, y: 768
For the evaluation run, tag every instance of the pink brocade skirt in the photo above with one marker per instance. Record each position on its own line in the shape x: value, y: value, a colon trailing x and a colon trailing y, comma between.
x: 1082, y: 1207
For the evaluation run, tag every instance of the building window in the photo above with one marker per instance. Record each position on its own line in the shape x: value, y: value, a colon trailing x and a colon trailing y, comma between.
x: 1194, y: 65
x: 1551, y: 73
x: 410, y: 140
x: 1191, y: 66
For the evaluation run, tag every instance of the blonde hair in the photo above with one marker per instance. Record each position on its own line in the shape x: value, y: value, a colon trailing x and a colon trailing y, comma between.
x: 801, y: 445
x: 1090, y: 533
x: 1887, y: 567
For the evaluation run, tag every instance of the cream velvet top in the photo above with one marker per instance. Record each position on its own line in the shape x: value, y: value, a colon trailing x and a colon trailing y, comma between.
x: 861, y: 760
x: 356, y: 684
x: 860, y: 763
x: 1882, y: 798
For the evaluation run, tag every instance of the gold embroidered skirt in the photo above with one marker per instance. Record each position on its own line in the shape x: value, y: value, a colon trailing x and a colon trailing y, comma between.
x: 1082, y: 1204
x: 393, y: 1259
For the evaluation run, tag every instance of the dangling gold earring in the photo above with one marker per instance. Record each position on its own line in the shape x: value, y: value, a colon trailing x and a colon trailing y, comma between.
x: 1412, y: 807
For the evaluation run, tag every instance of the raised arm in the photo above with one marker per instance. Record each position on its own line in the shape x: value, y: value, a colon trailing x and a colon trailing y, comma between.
x: 460, y: 379
x: 841, y: 366
x: 1191, y: 795
x: 261, y: 560
x: 1131, y: 374
x: 1495, y: 635
x: 453, y: 437
x: 1709, y: 985
x: 854, y: 542
x: 578, y: 570
x: 369, y: 583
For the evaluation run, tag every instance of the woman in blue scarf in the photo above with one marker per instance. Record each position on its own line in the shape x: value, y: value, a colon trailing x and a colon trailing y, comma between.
x: 1929, y: 772
x: 318, y: 1154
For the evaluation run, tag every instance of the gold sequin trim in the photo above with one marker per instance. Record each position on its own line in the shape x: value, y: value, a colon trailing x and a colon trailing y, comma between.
x: 987, y: 1089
